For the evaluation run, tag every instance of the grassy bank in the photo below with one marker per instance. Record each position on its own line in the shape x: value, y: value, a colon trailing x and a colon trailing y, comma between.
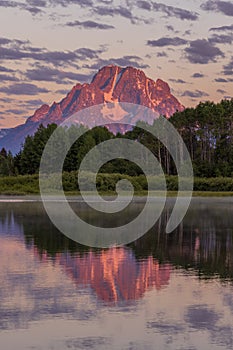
x: 29, y: 184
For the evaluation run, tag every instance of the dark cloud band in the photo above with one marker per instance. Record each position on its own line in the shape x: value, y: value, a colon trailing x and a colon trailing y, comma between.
x: 225, y: 7
x: 23, y: 89
x: 162, y: 42
x: 202, y: 51
x: 90, y: 25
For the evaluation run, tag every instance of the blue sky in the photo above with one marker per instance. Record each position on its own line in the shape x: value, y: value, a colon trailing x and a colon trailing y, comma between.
x: 47, y: 46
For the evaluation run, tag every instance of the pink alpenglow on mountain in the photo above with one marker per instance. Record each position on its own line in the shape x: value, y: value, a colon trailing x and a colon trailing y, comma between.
x: 111, y: 84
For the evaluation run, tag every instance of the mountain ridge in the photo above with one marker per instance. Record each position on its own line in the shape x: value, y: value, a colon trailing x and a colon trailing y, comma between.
x: 111, y: 84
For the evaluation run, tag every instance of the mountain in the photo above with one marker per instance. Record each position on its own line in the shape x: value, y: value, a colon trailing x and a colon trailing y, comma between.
x: 110, y: 84
x: 106, y: 273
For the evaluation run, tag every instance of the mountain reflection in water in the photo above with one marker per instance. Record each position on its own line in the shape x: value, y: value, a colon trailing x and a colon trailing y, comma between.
x: 171, y: 290
x: 114, y: 274
x: 203, y: 242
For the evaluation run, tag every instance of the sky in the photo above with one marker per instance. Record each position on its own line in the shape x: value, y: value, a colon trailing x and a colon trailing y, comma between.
x: 48, y: 46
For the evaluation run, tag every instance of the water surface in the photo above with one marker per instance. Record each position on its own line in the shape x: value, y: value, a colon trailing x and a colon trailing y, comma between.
x: 161, y: 292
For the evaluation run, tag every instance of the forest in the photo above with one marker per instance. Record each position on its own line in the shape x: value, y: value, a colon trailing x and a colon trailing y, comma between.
x: 207, y: 131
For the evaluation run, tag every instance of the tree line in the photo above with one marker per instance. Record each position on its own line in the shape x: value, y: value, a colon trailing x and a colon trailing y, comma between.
x: 207, y: 131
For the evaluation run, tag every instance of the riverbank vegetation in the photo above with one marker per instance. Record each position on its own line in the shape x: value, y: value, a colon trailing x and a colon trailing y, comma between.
x: 207, y: 131
x: 106, y: 183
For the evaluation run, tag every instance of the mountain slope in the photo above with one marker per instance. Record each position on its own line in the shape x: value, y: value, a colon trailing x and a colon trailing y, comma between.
x: 110, y: 84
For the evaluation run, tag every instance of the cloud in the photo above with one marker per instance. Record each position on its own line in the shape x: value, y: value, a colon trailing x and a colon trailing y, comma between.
x: 89, y: 25
x: 170, y: 28
x: 178, y: 81
x: 198, y: 75
x: 222, y: 28
x: 225, y: 7
x: 202, y: 51
x: 165, y: 41
x: 195, y: 94
x: 125, y: 61
x: 16, y: 111
x: 5, y: 77
x: 84, y: 53
x: 50, y: 74
x: 222, y: 92
x: 34, y: 10
x: 4, y: 41
x: 33, y: 103
x: 228, y: 68
x: 6, y: 3
x: 6, y: 100
x: 37, y: 3
x: 29, y: 105
x: 161, y: 54
x: 187, y: 32
x: 6, y: 70
x: 62, y: 92
x: 30, y: 6
x: 221, y: 39
x: 65, y: 3
x: 145, y: 5
x: 177, y: 12
x: 55, y: 57
x: 221, y: 80
x: 23, y: 89
x: 17, y: 50
x: 121, y: 11
x: 115, y: 11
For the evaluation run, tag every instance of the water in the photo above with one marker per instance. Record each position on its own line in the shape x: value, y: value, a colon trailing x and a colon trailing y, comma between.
x: 161, y: 292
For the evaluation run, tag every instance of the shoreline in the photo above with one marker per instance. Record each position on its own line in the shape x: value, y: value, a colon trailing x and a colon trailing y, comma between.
x: 17, y: 195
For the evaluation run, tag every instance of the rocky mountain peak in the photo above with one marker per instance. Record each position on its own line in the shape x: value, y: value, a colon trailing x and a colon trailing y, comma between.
x: 110, y: 84
x: 162, y: 85
x: 40, y: 113
x: 113, y: 84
